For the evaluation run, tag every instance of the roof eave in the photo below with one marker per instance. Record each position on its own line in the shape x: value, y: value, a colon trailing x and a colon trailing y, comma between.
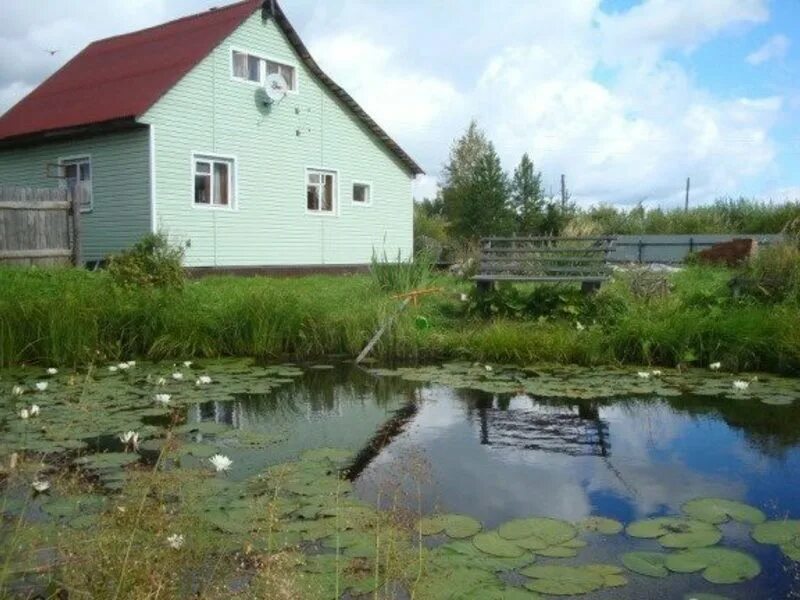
x: 78, y: 131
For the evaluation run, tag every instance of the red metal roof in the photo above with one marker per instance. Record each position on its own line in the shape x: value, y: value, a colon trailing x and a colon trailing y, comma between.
x: 116, y: 80
x: 123, y: 76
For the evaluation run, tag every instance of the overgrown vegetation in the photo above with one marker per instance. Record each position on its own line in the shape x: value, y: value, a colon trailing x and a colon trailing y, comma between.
x: 151, y: 262
x: 401, y: 275
x: 691, y: 317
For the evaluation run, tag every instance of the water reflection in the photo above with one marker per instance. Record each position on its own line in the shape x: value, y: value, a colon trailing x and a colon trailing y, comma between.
x: 497, y: 457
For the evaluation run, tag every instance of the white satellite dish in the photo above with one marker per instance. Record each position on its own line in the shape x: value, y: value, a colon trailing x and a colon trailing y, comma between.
x: 275, y: 88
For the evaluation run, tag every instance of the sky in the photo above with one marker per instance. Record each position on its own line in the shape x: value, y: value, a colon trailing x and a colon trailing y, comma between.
x: 626, y: 98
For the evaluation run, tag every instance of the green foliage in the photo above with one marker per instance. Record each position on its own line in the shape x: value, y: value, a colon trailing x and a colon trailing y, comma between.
x: 475, y: 189
x: 773, y: 274
x: 527, y: 197
x: 152, y: 262
x: 430, y: 231
x: 402, y: 275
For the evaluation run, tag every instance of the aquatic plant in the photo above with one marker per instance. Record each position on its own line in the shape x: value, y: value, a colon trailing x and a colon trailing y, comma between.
x: 784, y: 533
x: 220, y: 462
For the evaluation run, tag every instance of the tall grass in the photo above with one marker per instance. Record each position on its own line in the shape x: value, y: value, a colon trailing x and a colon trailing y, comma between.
x: 66, y: 317
x: 402, y: 275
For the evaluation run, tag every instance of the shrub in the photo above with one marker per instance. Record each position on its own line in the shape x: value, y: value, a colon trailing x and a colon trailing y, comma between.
x: 402, y: 275
x: 152, y: 262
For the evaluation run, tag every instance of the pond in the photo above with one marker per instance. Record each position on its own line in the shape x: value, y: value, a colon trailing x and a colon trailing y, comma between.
x: 534, y: 455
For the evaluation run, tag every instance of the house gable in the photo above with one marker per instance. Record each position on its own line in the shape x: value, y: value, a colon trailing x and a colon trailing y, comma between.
x: 212, y: 114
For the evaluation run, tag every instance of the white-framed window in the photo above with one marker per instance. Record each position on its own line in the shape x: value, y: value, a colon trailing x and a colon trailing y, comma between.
x: 321, y: 191
x: 214, y: 181
x: 77, y: 177
x: 362, y: 193
x: 251, y: 67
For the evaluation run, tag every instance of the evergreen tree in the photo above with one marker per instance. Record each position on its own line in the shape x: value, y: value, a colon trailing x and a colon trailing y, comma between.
x: 475, y: 189
x: 527, y: 197
x: 484, y: 209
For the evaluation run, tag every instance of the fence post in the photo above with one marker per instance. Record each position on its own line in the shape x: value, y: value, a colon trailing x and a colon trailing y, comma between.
x: 641, y: 246
x: 75, y: 207
x: 691, y: 245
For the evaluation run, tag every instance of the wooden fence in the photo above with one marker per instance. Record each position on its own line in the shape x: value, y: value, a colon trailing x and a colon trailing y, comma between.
x: 39, y: 226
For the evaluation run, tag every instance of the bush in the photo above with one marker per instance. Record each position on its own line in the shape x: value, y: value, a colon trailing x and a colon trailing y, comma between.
x: 152, y: 262
x: 402, y: 275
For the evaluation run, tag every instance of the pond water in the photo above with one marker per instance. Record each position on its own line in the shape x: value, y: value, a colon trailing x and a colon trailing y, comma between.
x: 624, y: 446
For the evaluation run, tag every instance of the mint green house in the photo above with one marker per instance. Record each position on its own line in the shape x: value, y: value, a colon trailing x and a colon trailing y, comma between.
x: 220, y: 130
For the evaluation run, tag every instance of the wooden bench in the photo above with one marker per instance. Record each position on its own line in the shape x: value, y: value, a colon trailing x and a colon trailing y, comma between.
x: 545, y: 260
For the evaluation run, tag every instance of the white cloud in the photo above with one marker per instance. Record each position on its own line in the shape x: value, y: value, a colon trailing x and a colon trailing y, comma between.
x: 596, y: 95
x: 774, y: 48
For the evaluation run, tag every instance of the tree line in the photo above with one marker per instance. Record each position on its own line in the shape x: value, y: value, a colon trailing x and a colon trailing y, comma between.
x: 477, y: 198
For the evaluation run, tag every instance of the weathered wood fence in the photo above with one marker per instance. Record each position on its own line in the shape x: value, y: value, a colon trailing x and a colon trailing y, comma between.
x: 39, y: 226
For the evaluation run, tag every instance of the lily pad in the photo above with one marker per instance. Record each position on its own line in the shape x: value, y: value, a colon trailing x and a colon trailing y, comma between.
x: 651, y: 564
x: 70, y: 506
x: 454, y: 526
x: 719, y: 510
x: 719, y: 565
x: 601, y: 525
x: 562, y: 581
x: 676, y: 532
x: 784, y: 533
x: 551, y: 532
x: 463, y: 553
x: 491, y: 543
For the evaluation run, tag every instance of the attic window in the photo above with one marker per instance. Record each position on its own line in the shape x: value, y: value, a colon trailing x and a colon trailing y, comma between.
x: 249, y: 67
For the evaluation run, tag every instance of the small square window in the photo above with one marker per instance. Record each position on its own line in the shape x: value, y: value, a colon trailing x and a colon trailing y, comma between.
x: 362, y: 193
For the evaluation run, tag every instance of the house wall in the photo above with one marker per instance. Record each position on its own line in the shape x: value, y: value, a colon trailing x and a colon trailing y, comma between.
x: 120, y: 184
x: 209, y: 112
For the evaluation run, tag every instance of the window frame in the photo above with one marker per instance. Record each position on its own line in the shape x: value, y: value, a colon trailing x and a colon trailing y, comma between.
x: 78, y: 159
x: 370, y: 188
x: 262, y: 69
x: 233, y: 180
x: 334, y: 212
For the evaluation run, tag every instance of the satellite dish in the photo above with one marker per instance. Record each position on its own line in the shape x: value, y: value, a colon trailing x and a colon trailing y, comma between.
x: 275, y: 88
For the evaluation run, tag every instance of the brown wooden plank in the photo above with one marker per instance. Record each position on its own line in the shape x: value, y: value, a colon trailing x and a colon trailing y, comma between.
x: 34, y: 253
x: 33, y: 205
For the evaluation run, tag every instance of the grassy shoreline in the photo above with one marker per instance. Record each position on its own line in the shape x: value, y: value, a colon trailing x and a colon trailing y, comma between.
x: 70, y: 317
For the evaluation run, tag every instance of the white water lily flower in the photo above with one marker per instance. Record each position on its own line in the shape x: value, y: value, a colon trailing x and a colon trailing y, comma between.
x: 163, y: 398
x: 130, y: 438
x: 175, y: 541
x: 131, y: 363
x: 40, y: 485
x: 24, y: 414
x: 161, y: 381
x: 34, y: 410
x: 52, y: 371
x: 177, y: 376
x: 17, y: 390
x: 741, y: 385
x: 41, y: 385
x: 203, y: 380
x: 187, y: 363
x: 656, y: 373
x: 113, y: 369
x: 220, y: 462
x: 579, y: 326
x: 643, y: 375
x: 123, y: 366
x: 488, y: 367
x: 464, y: 297
x: 715, y: 366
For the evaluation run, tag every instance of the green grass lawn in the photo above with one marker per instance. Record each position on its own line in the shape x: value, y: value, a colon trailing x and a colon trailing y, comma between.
x: 71, y: 317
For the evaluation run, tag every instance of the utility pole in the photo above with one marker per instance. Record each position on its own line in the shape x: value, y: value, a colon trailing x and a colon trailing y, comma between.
x: 563, y: 191
x: 686, y: 204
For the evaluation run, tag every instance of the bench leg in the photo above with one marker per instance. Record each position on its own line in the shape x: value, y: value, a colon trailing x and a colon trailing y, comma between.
x: 590, y: 287
x: 484, y: 287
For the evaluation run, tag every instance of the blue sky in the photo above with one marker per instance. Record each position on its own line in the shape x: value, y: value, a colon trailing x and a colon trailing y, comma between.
x: 626, y: 97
